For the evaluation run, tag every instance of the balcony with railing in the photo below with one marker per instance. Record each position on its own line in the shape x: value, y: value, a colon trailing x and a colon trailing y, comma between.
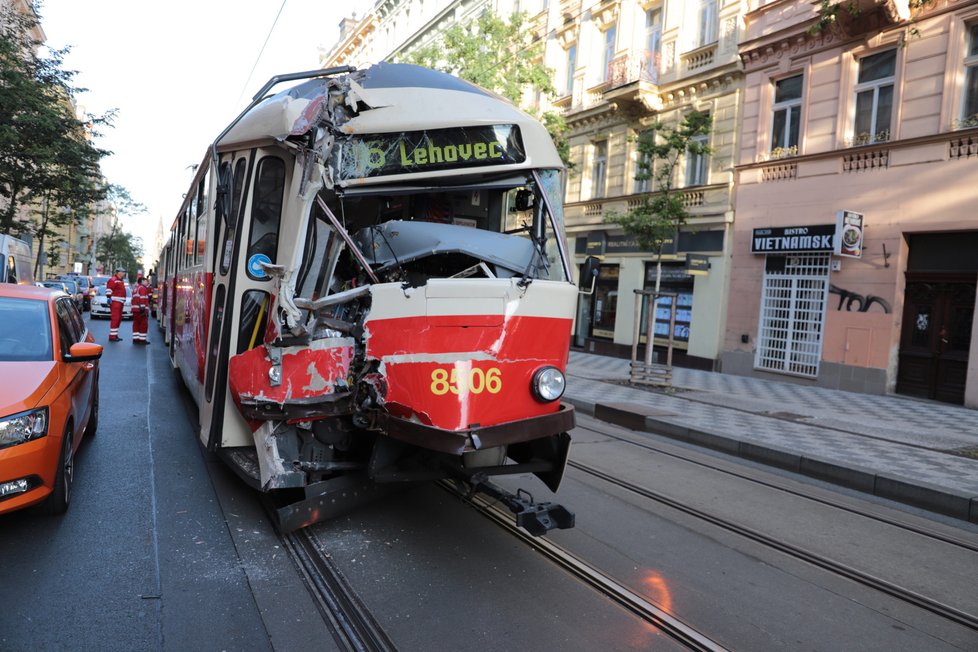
x: 631, y: 80
x: 700, y: 58
x: 704, y: 204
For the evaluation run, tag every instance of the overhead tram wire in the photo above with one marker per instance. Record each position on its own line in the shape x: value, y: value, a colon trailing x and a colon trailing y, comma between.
x: 261, y: 52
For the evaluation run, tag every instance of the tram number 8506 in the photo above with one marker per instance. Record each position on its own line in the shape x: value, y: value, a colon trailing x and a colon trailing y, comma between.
x: 475, y: 381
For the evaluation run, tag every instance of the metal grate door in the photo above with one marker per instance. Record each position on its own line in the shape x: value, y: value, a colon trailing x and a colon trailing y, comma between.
x: 792, y: 319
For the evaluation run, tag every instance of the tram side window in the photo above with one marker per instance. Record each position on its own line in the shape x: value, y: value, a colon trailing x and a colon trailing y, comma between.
x: 191, y: 229
x: 266, y: 212
x: 201, y: 221
x: 240, y: 168
x: 254, y: 316
x: 181, y: 230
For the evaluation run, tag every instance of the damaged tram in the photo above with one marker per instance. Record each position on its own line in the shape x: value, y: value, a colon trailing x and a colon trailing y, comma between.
x: 368, y: 285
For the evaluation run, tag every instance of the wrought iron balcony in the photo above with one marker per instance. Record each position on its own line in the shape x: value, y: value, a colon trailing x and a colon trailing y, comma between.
x: 629, y: 68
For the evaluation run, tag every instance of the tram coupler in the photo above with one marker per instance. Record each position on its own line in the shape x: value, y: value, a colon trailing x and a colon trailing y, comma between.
x: 536, y: 518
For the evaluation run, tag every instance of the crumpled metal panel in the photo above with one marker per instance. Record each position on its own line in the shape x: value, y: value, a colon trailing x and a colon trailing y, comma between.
x: 305, y: 372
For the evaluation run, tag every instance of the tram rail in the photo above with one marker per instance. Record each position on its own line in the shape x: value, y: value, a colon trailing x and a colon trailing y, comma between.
x: 353, y: 625
x: 645, y: 609
x: 789, y: 487
x: 967, y: 620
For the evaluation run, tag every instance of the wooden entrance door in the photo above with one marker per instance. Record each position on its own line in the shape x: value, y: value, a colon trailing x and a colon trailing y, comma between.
x: 935, y: 337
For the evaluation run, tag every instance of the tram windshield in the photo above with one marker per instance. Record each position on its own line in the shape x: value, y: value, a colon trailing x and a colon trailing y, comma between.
x: 507, y: 227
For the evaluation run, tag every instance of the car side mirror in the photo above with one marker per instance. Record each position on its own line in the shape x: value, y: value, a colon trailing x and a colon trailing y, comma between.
x: 84, y: 352
x: 589, y: 274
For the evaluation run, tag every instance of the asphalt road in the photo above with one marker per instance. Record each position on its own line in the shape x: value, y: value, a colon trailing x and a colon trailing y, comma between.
x: 145, y: 558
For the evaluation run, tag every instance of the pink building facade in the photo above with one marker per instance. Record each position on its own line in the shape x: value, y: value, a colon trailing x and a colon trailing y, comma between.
x: 855, y: 247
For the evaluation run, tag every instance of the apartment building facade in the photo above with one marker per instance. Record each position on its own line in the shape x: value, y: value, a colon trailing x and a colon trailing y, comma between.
x: 865, y: 131
x: 624, y: 64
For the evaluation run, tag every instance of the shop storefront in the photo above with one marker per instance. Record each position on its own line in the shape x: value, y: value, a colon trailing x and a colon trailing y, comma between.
x: 606, y: 319
x: 794, y: 292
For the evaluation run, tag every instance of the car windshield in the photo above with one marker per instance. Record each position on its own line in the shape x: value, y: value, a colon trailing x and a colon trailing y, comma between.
x: 25, y: 330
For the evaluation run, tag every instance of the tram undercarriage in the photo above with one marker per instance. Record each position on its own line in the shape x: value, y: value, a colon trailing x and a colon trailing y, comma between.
x: 297, y: 500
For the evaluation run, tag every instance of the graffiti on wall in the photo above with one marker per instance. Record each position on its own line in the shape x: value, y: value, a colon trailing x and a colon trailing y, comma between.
x: 854, y: 302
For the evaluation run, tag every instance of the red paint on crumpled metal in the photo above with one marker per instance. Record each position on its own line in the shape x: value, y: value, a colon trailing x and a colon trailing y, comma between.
x: 306, y: 373
x: 485, y: 377
x: 309, y: 116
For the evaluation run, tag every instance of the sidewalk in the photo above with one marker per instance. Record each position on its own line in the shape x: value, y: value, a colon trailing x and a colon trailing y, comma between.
x: 894, y: 447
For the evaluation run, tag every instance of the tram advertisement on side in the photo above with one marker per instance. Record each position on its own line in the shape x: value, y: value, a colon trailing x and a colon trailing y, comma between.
x: 368, y: 286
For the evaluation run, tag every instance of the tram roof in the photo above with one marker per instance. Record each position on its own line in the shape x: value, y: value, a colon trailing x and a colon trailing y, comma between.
x: 388, y: 98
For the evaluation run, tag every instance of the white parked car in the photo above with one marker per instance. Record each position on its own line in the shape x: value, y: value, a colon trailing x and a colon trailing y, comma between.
x: 100, y: 304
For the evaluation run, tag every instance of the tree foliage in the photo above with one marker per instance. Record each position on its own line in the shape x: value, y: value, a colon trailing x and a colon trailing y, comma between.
x: 46, y: 158
x: 660, y: 213
x: 119, y: 249
x: 499, y: 55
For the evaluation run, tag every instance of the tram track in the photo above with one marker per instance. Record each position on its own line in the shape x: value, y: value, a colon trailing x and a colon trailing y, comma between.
x: 969, y: 621
x: 354, y: 627
x: 648, y: 611
x: 791, y: 488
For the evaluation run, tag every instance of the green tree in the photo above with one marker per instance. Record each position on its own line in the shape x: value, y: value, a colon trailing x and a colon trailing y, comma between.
x: 499, y: 55
x: 46, y: 157
x: 119, y: 248
x: 659, y: 215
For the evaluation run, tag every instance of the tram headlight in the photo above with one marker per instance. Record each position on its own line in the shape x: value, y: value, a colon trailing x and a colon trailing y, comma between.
x: 548, y: 384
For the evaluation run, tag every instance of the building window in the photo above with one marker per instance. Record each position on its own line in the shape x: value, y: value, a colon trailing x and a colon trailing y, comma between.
x: 793, y: 299
x: 642, y: 184
x: 697, y: 163
x: 874, y: 98
x: 609, y: 51
x: 653, y: 45
x: 570, y: 67
x: 787, y: 116
x: 969, y: 112
x: 599, y: 169
x: 707, y: 22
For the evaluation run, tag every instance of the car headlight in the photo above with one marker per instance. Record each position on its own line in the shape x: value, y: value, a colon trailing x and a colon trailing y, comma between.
x: 548, y: 384
x: 23, y: 427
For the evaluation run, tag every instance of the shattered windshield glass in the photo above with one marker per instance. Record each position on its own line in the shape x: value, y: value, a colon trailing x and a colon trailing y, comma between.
x: 500, y: 229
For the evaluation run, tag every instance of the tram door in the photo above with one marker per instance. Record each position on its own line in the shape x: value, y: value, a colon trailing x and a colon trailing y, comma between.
x: 936, y: 336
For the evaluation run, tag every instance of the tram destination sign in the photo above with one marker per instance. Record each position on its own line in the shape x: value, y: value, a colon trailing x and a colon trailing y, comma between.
x: 793, y: 239
x: 410, y: 152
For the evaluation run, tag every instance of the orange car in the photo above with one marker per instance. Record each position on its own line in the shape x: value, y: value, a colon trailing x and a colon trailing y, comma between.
x: 48, y: 395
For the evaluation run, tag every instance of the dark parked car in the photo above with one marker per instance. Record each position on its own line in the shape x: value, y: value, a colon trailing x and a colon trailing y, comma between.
x: 86, y: 286
x: 68, y: 287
